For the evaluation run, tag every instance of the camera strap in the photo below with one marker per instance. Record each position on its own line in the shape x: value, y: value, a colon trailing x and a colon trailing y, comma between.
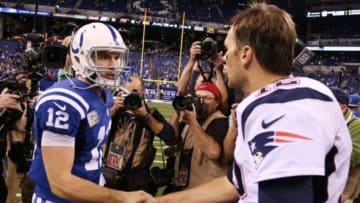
x: 210, y: 74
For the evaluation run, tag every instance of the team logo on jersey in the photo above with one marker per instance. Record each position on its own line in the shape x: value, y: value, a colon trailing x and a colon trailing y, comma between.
x: 62, y: 108
x: 264, y: 143
x: 93, y: 118
x: 266, y: 124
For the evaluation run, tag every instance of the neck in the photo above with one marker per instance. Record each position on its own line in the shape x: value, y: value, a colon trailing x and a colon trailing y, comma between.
x: 97, y: 89
x: 262, y: 79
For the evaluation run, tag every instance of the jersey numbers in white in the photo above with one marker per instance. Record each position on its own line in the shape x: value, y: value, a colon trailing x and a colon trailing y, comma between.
x: 58, y: 119
x: 96, y: 152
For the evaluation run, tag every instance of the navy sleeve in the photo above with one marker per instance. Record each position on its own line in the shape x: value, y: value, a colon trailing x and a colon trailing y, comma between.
x: 298, y: 189
x: 167, y: 133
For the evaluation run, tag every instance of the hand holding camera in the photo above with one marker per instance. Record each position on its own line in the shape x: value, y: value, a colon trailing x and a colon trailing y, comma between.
x: 8, y: 100
x: 195, y: 50
x: 208, y: 48
x: 11, y: 109
x: 189, y: 105
x: 203, y: 49
x: 131, y: 102
x: 190, y: 117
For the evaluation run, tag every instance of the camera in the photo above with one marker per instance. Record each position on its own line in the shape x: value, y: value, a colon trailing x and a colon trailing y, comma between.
x: 163, y: 176
x: 54, y: 56
x: 9, y: 116
x: 181, y: 103
x: 133, y: 100
x: 38, y: 54
x: 208, y: 48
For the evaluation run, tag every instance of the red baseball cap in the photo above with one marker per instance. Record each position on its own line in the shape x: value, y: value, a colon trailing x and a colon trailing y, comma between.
x: 209, y: 86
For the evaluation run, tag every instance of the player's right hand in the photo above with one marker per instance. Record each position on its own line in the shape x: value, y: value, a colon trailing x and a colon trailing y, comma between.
x: 135, y: 197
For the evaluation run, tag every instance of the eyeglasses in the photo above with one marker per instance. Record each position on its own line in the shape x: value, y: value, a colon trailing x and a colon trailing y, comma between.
x: 205, y: 98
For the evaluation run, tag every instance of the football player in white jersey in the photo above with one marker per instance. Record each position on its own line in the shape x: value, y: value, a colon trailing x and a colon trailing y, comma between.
x: 72, y: 121
x: 292, y: 144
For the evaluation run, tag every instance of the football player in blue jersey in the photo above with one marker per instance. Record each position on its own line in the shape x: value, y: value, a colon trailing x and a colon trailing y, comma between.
x: 72, y: 121
x: 292, y: 142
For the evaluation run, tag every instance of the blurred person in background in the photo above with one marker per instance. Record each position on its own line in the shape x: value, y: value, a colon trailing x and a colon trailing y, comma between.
x: 193, y: 74
x: 7, y: 101
x: 352, y: 188
x: 354, y: 104
x: 67, y: 71
x: 130, y: 151
x: 20, y: 143
x: 200, y: 131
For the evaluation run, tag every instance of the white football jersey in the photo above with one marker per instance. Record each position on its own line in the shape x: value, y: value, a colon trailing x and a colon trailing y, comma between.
x: 292, y: 127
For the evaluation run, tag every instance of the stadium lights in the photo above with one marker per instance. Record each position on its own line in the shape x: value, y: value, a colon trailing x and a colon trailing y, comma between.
x: 325, y: 13
x: 334, y: 48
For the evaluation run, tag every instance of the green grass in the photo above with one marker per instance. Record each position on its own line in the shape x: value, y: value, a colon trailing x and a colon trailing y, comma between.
x: 166, y: 110
x: 160, y: 160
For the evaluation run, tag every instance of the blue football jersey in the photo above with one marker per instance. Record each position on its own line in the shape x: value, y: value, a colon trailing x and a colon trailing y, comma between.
x: 70, y: 115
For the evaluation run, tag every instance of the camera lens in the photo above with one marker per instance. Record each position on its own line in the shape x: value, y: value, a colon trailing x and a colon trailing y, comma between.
x: 181, y: 103
x: 208, y: 48
x: 132, y: 101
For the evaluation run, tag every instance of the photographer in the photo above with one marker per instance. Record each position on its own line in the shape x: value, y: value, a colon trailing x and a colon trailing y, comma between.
x: 19, y: 139
x: 130, y: 151
x: 200, y: 129
x: 7, y: 101
x: 66, y: 72
x: 204, y: 51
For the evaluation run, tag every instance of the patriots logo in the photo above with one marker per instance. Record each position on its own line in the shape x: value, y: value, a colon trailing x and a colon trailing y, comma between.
x: 264, y: 143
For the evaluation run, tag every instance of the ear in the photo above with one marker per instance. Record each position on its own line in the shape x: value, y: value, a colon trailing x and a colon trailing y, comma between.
x: 246, y: 55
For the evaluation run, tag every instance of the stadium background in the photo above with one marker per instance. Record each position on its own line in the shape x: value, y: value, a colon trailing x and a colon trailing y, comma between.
x: 159, y: 39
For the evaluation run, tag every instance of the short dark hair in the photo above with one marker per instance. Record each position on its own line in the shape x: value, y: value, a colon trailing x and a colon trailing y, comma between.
x: 271, y: 32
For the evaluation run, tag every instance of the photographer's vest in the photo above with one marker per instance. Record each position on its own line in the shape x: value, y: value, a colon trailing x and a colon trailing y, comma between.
x: 135, y: 143
x: 201, y: 168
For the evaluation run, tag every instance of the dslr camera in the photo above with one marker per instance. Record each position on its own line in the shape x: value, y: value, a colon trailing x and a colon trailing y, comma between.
x: 9, y: 116
x: 133, y: 100
x: 208, y: 48
x: 181, y: 103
